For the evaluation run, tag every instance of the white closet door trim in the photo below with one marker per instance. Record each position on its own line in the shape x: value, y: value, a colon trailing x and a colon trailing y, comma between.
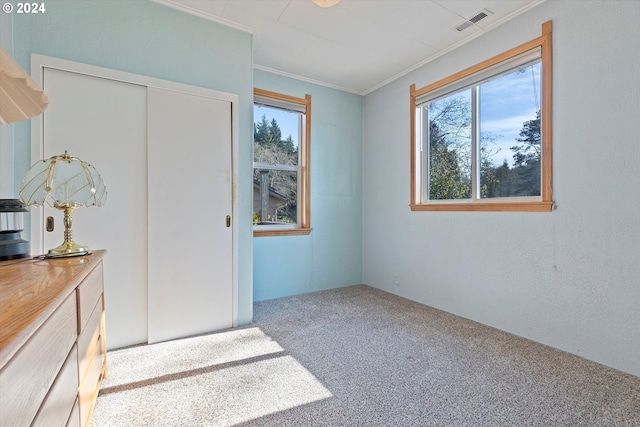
x: 40, y: 62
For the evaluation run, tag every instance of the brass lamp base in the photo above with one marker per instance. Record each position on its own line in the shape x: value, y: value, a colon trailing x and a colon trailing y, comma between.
x: 67, y: 249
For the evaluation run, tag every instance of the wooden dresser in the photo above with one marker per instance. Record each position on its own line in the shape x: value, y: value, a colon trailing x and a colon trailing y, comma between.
x: 52, y: 340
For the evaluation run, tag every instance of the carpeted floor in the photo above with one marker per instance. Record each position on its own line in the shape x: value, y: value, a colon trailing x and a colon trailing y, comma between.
x: 358, y: 356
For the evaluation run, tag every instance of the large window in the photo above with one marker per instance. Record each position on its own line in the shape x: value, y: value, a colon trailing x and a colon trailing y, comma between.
x: 481, y: 139
x: 281, y: 133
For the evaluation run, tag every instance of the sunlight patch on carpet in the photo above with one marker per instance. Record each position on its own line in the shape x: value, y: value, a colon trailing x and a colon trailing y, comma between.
x: 171, y: 357
x: 215, y: 380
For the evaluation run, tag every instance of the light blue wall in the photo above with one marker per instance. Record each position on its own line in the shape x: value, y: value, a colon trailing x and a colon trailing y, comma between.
x: 6, y: 130
x: 331, y: 256
x: 567, y: 278
x: 145, y: 38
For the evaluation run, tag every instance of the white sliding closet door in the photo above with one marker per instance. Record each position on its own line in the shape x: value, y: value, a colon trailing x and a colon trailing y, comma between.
x: 189, y: 198
x: 104, y: 122
x: 164, y: 152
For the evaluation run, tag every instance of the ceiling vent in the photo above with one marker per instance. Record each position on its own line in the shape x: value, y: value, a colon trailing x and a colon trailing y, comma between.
x: 474, y: 19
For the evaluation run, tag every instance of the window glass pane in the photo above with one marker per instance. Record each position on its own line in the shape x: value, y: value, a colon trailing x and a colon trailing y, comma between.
x: 448, y: 147
x: 274, y: 197
x: 510, y: 134
x: 276, y: 135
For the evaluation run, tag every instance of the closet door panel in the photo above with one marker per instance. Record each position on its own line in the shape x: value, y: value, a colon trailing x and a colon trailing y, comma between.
x: 189, y: 198
x: 104, y: 122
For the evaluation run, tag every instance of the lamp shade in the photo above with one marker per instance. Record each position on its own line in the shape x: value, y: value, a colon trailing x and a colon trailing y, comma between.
x: 63, y: 181
x: 20, y: 96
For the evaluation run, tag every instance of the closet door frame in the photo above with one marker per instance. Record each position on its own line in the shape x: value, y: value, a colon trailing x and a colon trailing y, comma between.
x: 40, y: 62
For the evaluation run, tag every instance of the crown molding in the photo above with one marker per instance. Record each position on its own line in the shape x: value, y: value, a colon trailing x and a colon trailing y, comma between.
x: 191, y: 11
x: 308, y: 80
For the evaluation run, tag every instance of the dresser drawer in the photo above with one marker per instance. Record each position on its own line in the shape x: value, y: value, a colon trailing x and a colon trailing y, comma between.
x: 59, y: 403
x: 90, y: 385
x: 26, y: 379
x: 88, y: 339
x: 89, y: 291
x: 74, y: 419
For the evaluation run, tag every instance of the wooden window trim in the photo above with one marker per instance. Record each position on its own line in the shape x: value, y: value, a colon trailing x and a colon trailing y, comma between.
x: 305, y: 170
x: 546, y: 202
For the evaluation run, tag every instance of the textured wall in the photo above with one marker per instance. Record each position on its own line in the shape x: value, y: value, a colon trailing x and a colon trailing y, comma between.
x: 6, y: 131
x: 149, y: 39
x: 331, y: 256
x: 568, y: 278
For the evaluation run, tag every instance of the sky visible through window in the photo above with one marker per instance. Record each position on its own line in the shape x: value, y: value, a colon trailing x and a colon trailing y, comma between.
x: 287, y: 121
x: 502, y: 117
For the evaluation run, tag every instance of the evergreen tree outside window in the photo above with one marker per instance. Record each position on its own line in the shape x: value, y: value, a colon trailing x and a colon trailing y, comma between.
x: 281, y: 164
x: 481, y: 139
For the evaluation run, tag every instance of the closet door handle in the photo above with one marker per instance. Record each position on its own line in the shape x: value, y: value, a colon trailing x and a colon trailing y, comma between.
x: 228, y: 220
x: 50, y: 223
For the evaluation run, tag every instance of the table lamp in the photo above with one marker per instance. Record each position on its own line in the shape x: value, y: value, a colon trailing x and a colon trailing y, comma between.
x: 66, y: 183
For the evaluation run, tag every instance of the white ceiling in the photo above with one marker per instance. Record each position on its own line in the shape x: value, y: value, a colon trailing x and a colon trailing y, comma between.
x: 357, y: 45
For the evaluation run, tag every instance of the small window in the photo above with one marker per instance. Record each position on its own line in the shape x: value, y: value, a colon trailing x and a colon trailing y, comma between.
x: 281, y: 133
x: 481, y: 139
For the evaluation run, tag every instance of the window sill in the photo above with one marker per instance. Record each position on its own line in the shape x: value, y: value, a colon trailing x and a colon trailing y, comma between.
x: 485, y: 207
x: 282, y: 232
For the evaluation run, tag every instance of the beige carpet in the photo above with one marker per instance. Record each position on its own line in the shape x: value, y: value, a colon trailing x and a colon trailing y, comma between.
x: 357, y: 356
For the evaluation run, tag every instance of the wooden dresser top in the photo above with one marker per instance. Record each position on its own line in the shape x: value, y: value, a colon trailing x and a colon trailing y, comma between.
x: 31, y: 290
